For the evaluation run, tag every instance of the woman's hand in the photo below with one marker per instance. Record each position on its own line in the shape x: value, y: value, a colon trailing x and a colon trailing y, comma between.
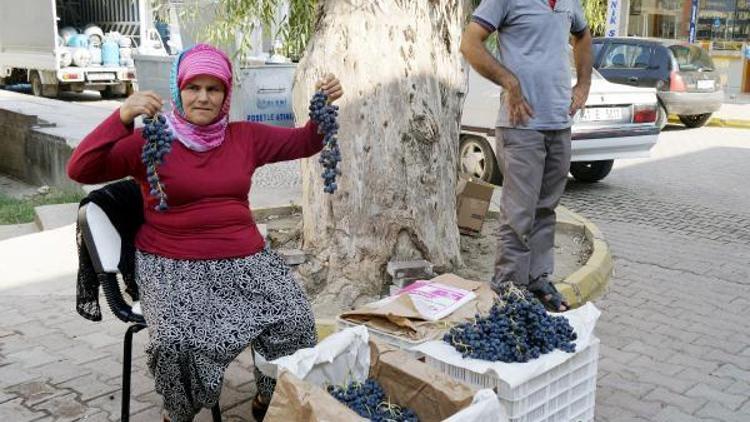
x: 331, y: 86
x: 146, y: 102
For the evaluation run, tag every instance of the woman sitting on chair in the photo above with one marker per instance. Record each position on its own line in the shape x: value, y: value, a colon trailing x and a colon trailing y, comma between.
x: 209, y: 288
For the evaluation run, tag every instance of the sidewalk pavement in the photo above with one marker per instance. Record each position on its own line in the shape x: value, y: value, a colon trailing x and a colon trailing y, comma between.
x: 734, y: 115
x: 54, y: 365
x: 69, y: 121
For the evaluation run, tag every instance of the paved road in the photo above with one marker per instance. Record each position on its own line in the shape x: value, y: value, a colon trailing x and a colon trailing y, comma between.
x: 675, y: 335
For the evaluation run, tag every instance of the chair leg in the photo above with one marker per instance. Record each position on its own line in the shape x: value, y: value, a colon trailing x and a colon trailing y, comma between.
x: 126, y: 361
x: 216, y: 412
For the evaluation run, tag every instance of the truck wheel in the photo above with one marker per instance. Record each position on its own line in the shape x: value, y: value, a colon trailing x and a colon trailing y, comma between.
x: 694, y: 120
x: 107, y: 93
x: 114, y: 91
x: 36, y: 84
x: 591, y: 171
x: 51, y: 90
x: 477, y: 159
x: 42, y: 90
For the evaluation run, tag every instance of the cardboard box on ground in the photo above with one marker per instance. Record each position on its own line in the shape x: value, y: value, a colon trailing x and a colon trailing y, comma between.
x: 410, y: 383
x: 473, y: 198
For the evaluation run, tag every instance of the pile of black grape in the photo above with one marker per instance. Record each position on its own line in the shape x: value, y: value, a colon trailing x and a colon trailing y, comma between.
x: 369, y: 401
x: 158, y: 143
x: 324, y: 115
x: 517, y: 329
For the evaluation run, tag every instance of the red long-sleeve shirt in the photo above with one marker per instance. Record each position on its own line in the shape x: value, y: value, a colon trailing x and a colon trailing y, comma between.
x: 209, y: 213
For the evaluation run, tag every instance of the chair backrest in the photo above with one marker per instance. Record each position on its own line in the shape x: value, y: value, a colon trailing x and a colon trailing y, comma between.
x: 104, y: 246
x: 101, y: 238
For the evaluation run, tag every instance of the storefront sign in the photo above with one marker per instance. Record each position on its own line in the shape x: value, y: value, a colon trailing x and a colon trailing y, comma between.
x: 693, y: 21
x: 613, y: 18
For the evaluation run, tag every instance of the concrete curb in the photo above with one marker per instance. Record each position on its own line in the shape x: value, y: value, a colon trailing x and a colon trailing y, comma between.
x: 719, y: 122
x: 590, y: 281
x: 283, y: 210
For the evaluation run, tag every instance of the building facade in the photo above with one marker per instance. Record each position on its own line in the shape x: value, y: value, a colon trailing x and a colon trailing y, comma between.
x: 720, y: 26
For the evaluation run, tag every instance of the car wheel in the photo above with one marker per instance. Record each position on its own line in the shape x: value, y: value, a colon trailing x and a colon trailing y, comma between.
x: 477, y: 159
x: 662, y: 117
x: 695, y: 120
x: 591, y: 171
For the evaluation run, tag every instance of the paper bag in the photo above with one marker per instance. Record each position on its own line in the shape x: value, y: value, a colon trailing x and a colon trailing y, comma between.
x: 295, y: 400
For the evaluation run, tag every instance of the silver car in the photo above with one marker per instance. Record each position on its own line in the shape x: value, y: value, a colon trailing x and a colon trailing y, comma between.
x: 617, y: 122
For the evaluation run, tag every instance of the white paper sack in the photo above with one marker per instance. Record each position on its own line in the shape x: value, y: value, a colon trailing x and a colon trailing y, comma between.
x: 339, y: 359
x: 484, y: 408
x: 436, y: 301
x: 583, y: 320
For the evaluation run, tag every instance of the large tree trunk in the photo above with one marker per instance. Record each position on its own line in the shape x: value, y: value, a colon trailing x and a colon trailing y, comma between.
x: 400, y: 66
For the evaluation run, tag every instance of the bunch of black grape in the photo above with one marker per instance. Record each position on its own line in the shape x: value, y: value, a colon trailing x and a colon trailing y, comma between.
x: 517, y: 329
x: 368, y: 400
x: 158, y: 143
x: 324, y: 115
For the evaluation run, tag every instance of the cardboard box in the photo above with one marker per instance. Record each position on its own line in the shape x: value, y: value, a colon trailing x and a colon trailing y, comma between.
x: 473, y: 198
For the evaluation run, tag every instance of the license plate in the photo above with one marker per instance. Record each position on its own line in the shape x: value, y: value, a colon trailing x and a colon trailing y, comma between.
x: 706, y: 84
x: 596, y: 114
x: 101, y: 76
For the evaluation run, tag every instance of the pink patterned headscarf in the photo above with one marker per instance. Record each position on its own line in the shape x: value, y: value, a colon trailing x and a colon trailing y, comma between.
x: 201, y: 60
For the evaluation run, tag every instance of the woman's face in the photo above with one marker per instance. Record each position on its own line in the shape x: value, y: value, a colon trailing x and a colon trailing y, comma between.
x: 202, y: 98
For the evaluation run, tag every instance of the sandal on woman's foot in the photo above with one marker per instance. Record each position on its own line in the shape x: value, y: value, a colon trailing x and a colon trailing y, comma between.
x: 546, y: 292
x: 259, y: 408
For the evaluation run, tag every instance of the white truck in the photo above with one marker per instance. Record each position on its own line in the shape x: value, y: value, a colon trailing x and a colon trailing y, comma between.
x: 29, y: 51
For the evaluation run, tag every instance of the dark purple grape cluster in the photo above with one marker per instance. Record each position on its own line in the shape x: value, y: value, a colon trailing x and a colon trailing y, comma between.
x: 158, y: 138
x: 324, y: 115
x: 368, y: 400
x: 517, y: 329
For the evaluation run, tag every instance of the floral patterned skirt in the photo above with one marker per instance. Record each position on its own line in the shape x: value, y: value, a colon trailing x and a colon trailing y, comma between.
x: 201, y: 314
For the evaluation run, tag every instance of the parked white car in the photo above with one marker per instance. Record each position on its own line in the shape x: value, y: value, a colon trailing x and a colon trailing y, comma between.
x: 618, y: 122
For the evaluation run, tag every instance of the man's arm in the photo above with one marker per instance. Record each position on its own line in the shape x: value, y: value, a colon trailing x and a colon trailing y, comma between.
x: 475, y: 52
x: 582, y: 54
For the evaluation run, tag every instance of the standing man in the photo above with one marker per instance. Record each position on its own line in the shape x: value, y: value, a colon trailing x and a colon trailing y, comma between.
x: 533, y: 126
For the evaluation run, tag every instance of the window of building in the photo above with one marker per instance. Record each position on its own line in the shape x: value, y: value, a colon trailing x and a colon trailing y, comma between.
x: 718, y: 20
x: 723, y: 20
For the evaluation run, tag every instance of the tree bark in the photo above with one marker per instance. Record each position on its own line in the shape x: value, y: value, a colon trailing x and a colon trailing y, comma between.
x: 404, y: 82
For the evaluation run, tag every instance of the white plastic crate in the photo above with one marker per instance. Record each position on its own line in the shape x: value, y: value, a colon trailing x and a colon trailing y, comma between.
x: 564, y: 393
x: 393, y: 340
